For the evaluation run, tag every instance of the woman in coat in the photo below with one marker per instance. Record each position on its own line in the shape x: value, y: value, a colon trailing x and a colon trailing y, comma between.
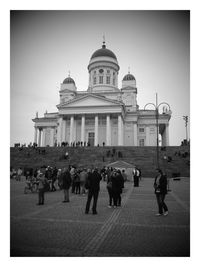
x: 66, y: 183
x: 160, y: 186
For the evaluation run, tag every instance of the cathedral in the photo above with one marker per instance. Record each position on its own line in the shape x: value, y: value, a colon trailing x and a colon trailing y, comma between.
x: 105, y: 114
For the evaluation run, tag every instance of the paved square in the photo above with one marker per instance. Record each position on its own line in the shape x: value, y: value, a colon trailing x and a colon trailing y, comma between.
x: 62, y: 229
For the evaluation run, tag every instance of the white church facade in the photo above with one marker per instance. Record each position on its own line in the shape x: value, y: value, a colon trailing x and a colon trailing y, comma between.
x: 104, y: 114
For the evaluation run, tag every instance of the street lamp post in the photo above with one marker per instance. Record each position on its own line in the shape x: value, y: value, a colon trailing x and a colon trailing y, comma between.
x: 185, y: 118
x: 156, y: 106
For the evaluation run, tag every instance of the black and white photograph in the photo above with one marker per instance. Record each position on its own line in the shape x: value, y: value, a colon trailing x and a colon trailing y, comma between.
x: 100, y: 133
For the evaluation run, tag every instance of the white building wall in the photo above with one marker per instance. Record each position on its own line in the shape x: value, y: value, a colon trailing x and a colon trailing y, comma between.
x: 152, y: 135
x: 128, y: 134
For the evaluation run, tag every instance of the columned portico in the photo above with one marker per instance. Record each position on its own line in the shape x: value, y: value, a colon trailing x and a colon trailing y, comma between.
x: 71, y: 137
x: 96, y: 126
x: 108, y: 131
x: 83, y: 128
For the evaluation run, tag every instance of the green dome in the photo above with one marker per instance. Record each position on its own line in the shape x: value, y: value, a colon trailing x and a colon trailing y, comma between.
x: 103, y: 52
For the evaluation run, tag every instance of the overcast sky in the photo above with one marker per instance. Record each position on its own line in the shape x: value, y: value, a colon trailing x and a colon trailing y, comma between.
x: 45, y: 45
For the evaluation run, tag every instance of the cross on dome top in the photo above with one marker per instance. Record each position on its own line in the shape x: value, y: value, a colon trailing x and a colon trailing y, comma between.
x: 104, y: 41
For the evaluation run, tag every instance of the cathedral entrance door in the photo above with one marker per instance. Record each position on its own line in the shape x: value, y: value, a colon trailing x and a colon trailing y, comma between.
x: 91, y: 138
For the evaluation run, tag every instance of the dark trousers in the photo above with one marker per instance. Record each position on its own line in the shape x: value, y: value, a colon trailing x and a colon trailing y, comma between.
x: 73, y: 187
x: 94, y: 195
x: 161, y: 204
x: 110, y: 193
x: 116, y: 197
x: 77, y: 188
x: 41, y: 196
x: 136, y: 181
x: 66, y: 194
x: 53, y: 186
x: 119, y: 199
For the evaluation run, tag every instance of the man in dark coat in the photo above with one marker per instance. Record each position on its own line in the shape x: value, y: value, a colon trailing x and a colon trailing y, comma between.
x: 66, y: 183
x: 120, y: 181
x: 93, y: 184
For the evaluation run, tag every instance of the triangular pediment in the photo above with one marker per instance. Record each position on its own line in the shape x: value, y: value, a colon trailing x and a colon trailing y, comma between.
x: 90, y: 101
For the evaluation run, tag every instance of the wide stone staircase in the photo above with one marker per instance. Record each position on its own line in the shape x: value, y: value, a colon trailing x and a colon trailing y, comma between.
x: 142, y: 157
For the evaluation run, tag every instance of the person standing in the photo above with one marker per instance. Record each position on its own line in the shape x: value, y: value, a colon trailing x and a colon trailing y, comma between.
x: 124, y: 175
x: 160, y: 186
x: 120, y: 182
x: 19, y: 174
x: 136, y: 175
x: 77, y: 182
x: 93, y: 185
x: 41, y: 188
x: 115, y: 187
x: 110, y: 191
x: 53, y: 179
x: 66, y: 183
x: 83, y: 177
x: 72, y: 172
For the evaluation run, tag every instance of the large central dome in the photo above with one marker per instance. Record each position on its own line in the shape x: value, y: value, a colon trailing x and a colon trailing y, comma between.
x: 103, y: 52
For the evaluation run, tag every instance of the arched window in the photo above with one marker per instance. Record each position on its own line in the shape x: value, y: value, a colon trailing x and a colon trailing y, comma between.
x: 94, y: 80
x: 108, y: 79
x: 101, y: 79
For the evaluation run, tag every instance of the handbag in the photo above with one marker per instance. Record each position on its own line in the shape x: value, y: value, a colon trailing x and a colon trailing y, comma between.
x: 109, y: 185
x: 157, y: 190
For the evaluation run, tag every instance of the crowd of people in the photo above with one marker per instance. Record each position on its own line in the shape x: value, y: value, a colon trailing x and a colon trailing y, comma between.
x: 87, y: 181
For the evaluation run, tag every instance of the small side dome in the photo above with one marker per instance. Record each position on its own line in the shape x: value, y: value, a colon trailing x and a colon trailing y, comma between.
x: 129, y: 77
x: 68, y: 80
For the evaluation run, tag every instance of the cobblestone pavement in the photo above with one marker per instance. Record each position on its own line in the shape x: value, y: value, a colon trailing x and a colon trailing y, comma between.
x: 62, y: 229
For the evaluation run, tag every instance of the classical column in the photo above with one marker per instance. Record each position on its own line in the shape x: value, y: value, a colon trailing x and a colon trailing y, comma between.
x: 120, y: 134
x: 108, y: 132
x: 44, y: 137
x: 71, y: 134
x: 147, y: 136
x: 83, y: 128
x: 167, y: 134
x: 75, y: 130
x: 59, y: 131
x: 39, y: 140
x: 63, y: 137
x: 52, y: 137
x: 35, y: 135
x: 135, y: 134
x: 96, y: 128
